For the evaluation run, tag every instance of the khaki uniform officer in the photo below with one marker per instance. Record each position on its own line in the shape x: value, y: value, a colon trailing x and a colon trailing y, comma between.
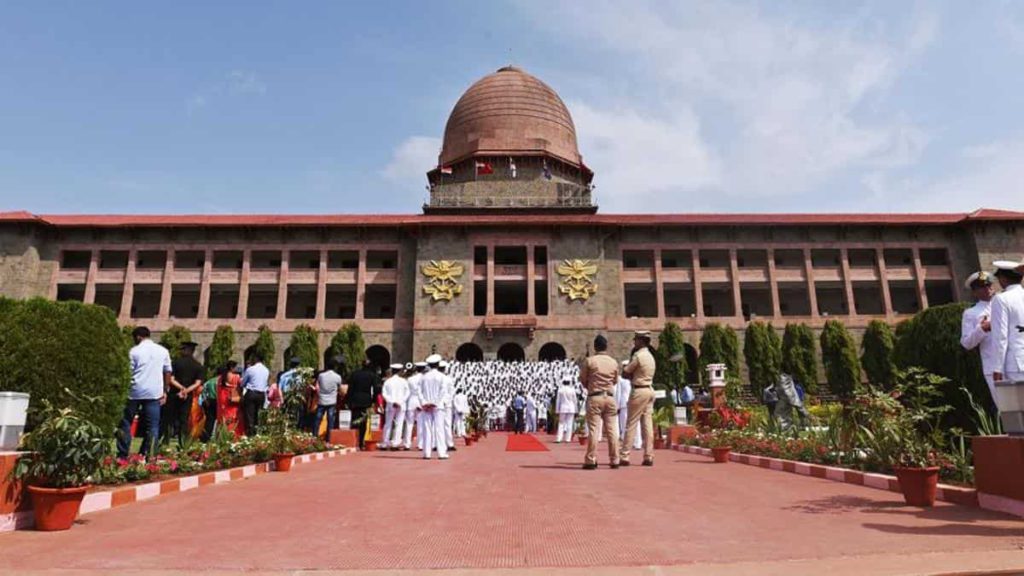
x: 640, y: 372
x: 599, y: 374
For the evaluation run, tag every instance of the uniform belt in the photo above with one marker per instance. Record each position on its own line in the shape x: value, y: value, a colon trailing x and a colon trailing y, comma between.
x: 639, y: 387
x: 601, y: 393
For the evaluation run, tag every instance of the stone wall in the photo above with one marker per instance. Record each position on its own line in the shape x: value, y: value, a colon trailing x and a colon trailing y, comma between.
x: 27, y: 261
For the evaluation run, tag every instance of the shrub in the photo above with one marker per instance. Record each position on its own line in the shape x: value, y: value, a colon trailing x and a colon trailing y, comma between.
x: 762, y: 350
x: 799, y: 356
x: 65, y: 450
x: 174, y: 337
x: 839, y: 355
x: 671, y: 342
x: 719, y: 345
x: 877, y: 353
x: 48, y: 348
x: 931, y: 340
x: 348, y: 343
x: 221, y: 350
x: 305, y: 345
x: 264, y: 345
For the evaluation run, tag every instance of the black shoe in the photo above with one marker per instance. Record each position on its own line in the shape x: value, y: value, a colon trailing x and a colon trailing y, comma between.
x: 613, y: 466
x: 648, y: 463
x: 590, y: 466
x: 623, y: 462
x: 452, y: 449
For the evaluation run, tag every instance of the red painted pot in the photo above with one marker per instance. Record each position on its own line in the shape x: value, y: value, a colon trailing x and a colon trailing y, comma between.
x: 283, y: 462
x: 582, y: 440
x: 918, y: 485
x: 468, y: 440
x: 721, y: 455
x: 370, y: 446
x: 659, y: 444
x: 56, y: 508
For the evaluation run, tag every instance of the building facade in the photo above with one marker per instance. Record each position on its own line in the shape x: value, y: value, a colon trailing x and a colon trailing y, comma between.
x: 509, y: 258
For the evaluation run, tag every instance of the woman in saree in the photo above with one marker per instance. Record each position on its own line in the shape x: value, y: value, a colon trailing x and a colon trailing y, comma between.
x: 229, y: 400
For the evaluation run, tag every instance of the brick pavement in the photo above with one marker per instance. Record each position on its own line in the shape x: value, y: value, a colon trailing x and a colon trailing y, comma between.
x: 487, y: 508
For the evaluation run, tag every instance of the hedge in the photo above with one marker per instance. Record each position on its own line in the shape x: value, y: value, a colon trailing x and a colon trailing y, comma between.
x: 304, y: 345
x: 762, y: 350
x: 719, y: 345
x: 877, y: 353
x: 348, y: 343
x: 221, y: 350
x: 173, y: 337
x: 671, y: 342
x: 839, y: 355
x: 931, y: 340
x: 47, y: 347
x: 800, y: 356
x: 264, y: 345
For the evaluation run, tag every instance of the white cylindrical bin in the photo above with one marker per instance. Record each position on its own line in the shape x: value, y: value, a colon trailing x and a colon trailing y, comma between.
x: 13, y: 408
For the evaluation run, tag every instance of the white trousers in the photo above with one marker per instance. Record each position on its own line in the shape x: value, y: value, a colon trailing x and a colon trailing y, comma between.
x: 433, y: 433
x: 623, y: 417
x: 421, y: 428
x: 531, y: 421
x: 411, y: 417
x: 446, y: 420
x: 460, y: 425
x: 390, y: 413
x: 565, y: 422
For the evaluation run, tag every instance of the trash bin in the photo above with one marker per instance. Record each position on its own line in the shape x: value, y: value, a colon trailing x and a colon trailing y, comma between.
x: 13, y: 407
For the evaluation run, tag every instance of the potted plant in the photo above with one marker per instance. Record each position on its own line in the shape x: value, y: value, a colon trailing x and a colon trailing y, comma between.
x: 720, y: 443
x: 65, y: 452
x: 278, y: 429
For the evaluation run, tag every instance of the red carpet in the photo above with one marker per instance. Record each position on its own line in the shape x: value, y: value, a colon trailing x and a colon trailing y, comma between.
x: 524, y: 443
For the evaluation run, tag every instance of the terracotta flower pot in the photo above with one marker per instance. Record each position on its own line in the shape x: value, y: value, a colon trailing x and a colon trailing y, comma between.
x: 582, y: 440
x: 283, y: 462
x: 918, y: 485
x: 721, y: 455
x: 56, y: 508
x: 370, y: 446
x: 468, y: 440
x: 659, y: 444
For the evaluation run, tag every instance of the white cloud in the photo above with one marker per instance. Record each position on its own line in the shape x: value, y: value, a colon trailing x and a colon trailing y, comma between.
x: 411, y: 160
x: 234, y: 83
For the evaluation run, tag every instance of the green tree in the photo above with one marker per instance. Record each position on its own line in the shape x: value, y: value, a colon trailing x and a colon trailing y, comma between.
x: 719, y: 345
x: 799, y: 356
x: 877, y: 353
x: 762, y: 350
x: 348, y: 342
x: 671, y: 343
x: 50, y: 348
x: 173, y: 337
x: 305, y: 345
x: 839, y: 356
x: 264, y: 345
x: 221, y: 350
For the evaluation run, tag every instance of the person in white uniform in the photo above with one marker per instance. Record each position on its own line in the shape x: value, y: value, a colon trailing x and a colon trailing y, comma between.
x: 461, y: 406
x: 976, y: 325
x: 396, y: 393
x: 622, y: 390
x: 433, y: 388
x: 531, y: 414
x: 413, y: 413
x: 446, y: 406
x: 566, y: 404
x: 1008, y: 323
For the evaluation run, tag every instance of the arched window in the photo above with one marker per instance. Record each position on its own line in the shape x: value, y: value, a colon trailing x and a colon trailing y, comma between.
x: 551, y: 352
x: 511, y: 352
x: 469, y: 352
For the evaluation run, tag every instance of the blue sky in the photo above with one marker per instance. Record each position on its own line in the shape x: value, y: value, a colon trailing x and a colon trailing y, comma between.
x: 284, y: 107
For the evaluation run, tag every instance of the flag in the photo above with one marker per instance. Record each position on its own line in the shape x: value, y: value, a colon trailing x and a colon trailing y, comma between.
x: 484, y: 168
x: 547, y: 171
x: 446, y: 169
x: 512, y: 167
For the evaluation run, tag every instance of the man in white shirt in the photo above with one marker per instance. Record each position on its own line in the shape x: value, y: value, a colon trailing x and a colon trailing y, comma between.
x: 976, y: 325
x: 433, y: 388
x: 151, y: 376
x: 255, y: 384
x: 566, y: 403
x: 622, y: 390
x: 396, y: 393
x: 413, y: 412
x: 1008, y: 323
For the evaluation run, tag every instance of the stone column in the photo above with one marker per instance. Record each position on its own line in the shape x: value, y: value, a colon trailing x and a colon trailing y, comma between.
x: 844, y: 261
x: 659, y: 283
x: 204, y: 285
x: 698, y: 290
x: 321, y: 287
x: 90, y: 278
x: 165, y: 288
x: 734, y: 276
x: 361, y: 285
x: 282, y: 285
x: 922, y: 294
x: 884, y: 281
x: 809, y: 271
x: 531, y: 296
x: 490, y: 279
x: 128, y: 296
x: 243, y: 286
x: 774, y: 285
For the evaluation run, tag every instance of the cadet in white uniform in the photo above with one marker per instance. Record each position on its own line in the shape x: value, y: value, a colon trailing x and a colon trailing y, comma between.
x: 622, y: 390
x: 976, y: 325
x: 396, y: 393
x: 433, y: 388
x: 446, y: 406
x: 461, y: 406
x: 1008, y: 323
x: 413, y: 413
x: 531, y: 414
x: 565, y: 405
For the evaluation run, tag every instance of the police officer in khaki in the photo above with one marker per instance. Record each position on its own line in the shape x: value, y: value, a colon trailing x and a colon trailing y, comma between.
x: 599, y: 375
x: 640, y: 372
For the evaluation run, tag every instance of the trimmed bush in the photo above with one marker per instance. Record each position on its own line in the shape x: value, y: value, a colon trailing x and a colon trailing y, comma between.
x: 931, y: 340
x: 800, y: 356
x: 348, y: 343
x: 221, y: 350
x: 304, y: 345
x: 762, y: 350
x: 264, y: 345
x: 719, y: 345
x: 47, y: 347
x: 671, y: 342
x: 839, y: 355
x: 173, y: 337
x: 877, y: 354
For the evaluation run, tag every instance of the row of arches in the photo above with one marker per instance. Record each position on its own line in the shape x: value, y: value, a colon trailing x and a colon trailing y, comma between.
x: 511, y: 352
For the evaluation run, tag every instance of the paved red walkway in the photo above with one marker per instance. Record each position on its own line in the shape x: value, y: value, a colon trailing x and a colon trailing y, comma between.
x: 487, y: 508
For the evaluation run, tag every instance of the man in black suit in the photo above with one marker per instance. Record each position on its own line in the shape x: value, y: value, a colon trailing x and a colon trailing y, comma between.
x: 363, y: 387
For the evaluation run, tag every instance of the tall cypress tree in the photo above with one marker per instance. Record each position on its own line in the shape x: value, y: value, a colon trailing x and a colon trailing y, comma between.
x: 762, y: 350
x: 305, y: 346
x: 799, y: 356
x: 671, y: 342
x: 265, y: 344
x: 221, y: 350
x: 839, y: 355
x: 877, y: 353
x: 174, y: 337
x: 348, y: 343
x: 719, y: 345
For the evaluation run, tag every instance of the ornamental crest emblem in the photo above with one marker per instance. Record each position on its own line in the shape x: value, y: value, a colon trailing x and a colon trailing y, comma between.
x: 577, y: 279
x: 442, y: 279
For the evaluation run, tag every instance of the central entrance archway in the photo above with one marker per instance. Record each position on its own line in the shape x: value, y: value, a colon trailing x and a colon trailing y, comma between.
x: 511, y: 352
x: 551, y: 352
x: 379, y: 357
x: 469, y: 352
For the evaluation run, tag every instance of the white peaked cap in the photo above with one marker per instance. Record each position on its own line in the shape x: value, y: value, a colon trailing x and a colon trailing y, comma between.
x: 442, y: 364
x: 1007, y: 264
x: 625, y: 362
x: 420, y: 364
x: 396, y: 366
x: 434, y: 359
